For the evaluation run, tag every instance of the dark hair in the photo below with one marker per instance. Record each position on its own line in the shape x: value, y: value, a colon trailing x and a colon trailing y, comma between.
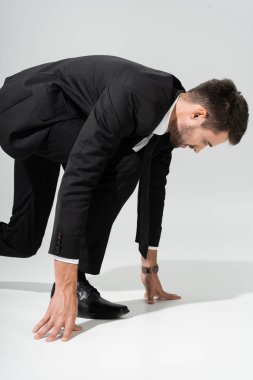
x: 227, y: 110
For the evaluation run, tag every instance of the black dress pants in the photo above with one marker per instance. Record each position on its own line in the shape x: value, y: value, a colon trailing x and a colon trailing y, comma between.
x: 35, y: 182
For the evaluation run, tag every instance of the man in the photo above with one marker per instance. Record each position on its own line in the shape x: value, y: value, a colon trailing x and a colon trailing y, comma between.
x: 110, y: 123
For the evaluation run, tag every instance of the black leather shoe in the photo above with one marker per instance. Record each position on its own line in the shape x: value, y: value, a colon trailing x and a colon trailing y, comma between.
x: 92, y: 305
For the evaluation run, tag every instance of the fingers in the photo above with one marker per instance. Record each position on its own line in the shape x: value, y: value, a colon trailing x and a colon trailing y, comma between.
x: 150, y: 297
x: 169, y: 296
x: 77, y: 328
x: 44, y: 330
x: 41, y: 323
x: 150, y: 300
x: 56, y: 331
x: 159, y: 292
x: 68, y: 329
x: 149, y: 288
x: 61, y: 313
x: 154, y: 289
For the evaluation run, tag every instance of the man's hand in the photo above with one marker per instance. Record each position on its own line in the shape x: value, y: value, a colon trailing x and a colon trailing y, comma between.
x: 61, y: 312
x: 62, y: 309
x: 151, y: 281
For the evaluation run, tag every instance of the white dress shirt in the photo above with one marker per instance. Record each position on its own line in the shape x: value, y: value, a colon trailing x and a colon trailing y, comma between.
x: 160, y: 130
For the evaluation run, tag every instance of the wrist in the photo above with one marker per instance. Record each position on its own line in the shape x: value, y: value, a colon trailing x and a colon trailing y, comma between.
x: 65, y: 275
x: 151, y: 259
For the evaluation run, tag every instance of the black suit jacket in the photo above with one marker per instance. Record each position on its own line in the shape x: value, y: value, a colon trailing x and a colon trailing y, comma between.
x: 121, y: 102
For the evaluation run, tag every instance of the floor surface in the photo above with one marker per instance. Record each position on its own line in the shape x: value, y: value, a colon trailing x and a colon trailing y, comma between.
x: 209, y: 331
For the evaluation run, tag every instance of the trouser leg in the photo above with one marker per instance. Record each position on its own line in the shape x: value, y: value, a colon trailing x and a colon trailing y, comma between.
x: 35, y: 181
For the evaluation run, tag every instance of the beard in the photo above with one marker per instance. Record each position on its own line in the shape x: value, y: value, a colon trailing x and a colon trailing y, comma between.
x: 177, y: 137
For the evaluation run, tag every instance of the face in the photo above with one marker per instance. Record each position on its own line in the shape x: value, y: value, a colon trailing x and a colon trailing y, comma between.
x: 186, y: 130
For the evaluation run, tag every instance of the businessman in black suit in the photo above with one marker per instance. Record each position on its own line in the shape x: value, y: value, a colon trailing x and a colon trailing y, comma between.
x: 110, y: 122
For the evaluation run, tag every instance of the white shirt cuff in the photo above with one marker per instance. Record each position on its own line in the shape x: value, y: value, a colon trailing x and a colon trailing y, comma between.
x: 149, y: 247
x: 66, y: 260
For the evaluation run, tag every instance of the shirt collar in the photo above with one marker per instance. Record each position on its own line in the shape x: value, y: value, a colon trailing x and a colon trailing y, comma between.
x: 163, y: 126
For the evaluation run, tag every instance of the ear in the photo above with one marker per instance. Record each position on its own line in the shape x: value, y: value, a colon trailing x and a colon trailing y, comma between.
x: 199, y: 112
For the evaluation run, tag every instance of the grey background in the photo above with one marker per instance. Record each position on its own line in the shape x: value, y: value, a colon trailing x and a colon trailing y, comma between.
x: 208, y: 211
x: 205, y: 253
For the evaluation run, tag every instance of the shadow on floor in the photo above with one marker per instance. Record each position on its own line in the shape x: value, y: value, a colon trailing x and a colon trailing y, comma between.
x: 194, y: 281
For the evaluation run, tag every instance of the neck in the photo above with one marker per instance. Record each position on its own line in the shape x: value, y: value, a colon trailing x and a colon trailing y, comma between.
x: 173, y: 118
x: 175, y: 111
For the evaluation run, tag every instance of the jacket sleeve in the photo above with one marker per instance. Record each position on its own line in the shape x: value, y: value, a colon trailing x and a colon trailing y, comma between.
x: 111, y: 119
x: 158, y: 179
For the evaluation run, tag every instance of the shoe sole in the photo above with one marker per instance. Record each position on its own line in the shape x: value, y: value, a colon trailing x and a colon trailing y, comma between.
x: 103, y: 316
